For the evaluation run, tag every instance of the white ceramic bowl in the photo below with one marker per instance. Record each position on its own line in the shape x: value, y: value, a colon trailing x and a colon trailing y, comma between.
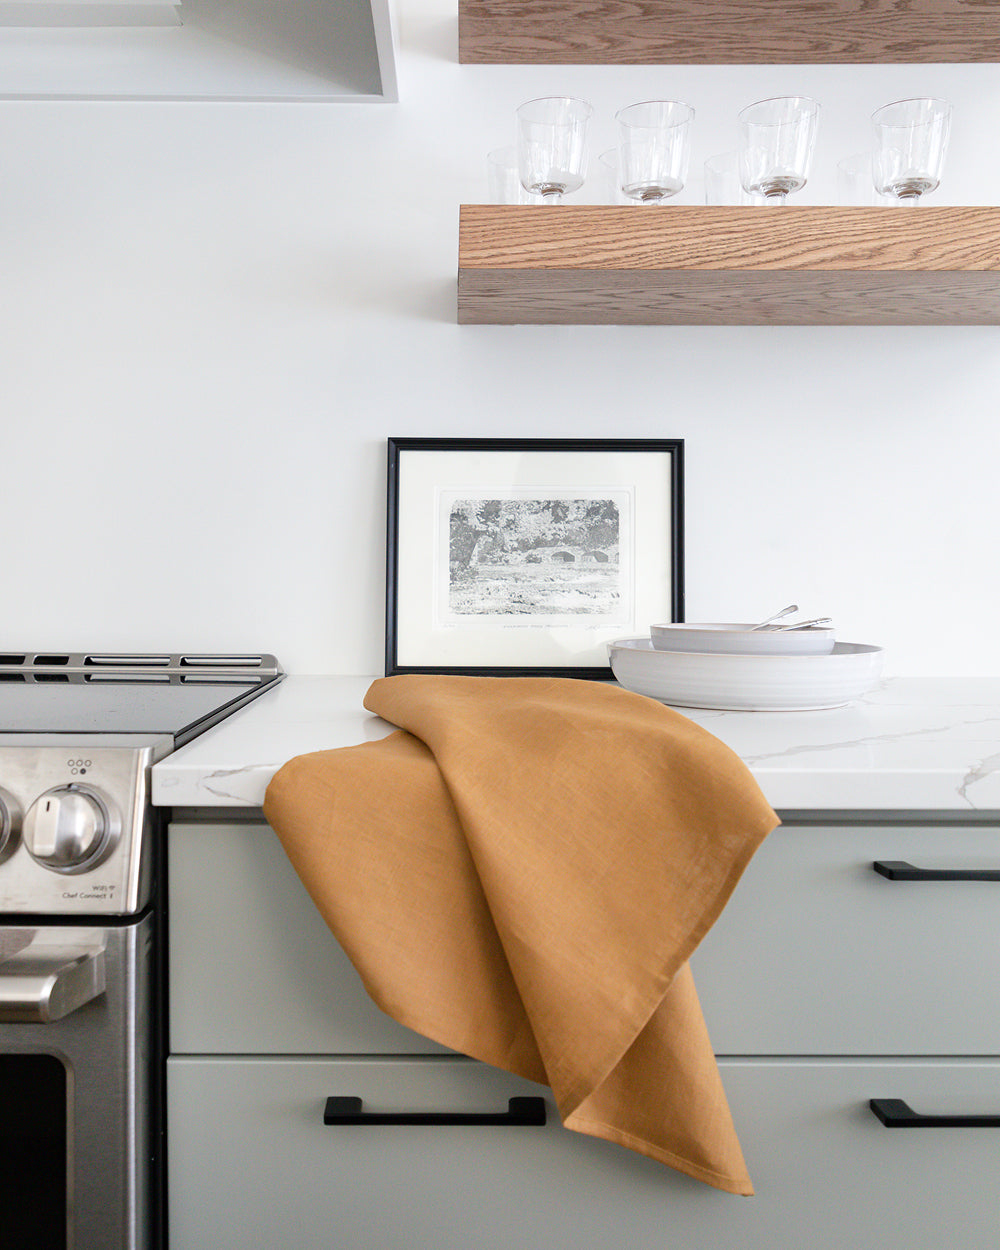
x: 747, y: 683
x: 742, y: 640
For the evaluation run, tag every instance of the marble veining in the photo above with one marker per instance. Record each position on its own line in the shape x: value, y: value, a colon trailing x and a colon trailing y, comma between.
x: 229, y: 791
x: 986, y: 767
x: 805, y: 748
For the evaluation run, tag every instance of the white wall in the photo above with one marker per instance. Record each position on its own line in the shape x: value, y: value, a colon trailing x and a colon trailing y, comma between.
x: 213, y: 315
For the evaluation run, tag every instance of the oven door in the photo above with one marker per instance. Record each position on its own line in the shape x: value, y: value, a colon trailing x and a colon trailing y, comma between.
x: 75, y: 1087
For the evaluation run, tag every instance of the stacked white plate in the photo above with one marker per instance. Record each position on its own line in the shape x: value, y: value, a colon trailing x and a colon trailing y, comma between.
x: 760, y: 681
x: 743, y: 639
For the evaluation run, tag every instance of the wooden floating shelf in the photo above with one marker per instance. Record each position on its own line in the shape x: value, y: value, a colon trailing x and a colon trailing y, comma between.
x: 591, y: 265
x: 726, y: 32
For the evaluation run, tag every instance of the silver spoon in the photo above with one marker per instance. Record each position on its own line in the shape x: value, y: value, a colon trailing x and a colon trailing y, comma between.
x: 792, y: 607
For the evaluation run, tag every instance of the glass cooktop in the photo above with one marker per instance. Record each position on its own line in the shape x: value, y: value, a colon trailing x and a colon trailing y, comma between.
x: 179, y: 695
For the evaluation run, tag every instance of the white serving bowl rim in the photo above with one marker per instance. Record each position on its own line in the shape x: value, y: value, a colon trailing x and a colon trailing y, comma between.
x: 839, y: 649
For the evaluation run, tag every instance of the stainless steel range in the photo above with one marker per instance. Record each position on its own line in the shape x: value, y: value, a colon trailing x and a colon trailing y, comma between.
x: 80, y: 1061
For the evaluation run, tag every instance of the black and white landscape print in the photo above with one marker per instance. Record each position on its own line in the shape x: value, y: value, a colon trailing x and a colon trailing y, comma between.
x: 536, y: 557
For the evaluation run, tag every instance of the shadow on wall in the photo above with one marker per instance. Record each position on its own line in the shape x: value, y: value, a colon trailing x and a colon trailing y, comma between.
x: 298, y: 35
x: 343, y: 284
x: 432, y: 37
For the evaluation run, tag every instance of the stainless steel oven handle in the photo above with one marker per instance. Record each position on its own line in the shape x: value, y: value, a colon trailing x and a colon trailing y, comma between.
x: 44, y: 983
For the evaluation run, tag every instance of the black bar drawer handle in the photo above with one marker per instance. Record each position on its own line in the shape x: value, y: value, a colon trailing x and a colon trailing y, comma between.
x: 894, y: 1113
x: 900, y: 870
x: 350, y: 1110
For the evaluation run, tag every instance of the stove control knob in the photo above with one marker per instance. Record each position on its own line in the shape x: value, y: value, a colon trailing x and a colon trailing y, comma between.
x: 71, y: 828
x: 10, y: 824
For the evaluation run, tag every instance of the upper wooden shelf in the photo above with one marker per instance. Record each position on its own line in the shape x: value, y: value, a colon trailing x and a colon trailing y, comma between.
x: 584, y: 264
x: 726, y: 32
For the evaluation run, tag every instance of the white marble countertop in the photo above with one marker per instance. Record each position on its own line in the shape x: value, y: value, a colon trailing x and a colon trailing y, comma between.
x: 914, y: 744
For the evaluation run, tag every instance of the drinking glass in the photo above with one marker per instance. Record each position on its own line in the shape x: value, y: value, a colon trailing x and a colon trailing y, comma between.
x: 855, y: 184
x: 653, y: 148
x: 911, y: 139
x: 611, y: 184
x: 722, y: 180
x: 776, y: 146
x: 504, y: 180
x: 552, y: 146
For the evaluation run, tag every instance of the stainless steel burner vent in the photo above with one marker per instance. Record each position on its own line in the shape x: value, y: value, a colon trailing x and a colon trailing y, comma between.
x: 100, y: 666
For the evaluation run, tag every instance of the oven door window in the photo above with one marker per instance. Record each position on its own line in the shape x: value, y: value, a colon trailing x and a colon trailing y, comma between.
x: 33, y: 1147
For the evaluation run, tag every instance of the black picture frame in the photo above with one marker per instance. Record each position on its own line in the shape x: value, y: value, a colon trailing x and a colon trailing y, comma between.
x: 545, y: 479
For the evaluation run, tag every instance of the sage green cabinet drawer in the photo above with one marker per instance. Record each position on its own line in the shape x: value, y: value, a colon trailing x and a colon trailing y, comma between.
x: 252, y: 1164
x: 816, y: 953
x: 253, y: 967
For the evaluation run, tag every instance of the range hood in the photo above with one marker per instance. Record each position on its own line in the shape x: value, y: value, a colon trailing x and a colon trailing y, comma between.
x: 322, y: 50
x: 34, y: 13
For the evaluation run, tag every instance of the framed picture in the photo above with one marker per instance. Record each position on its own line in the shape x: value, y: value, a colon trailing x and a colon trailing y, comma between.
x: 525, y: 557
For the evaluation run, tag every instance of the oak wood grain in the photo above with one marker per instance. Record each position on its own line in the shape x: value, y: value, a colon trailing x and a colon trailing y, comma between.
x: 728, y: 266
x: 714, y: 32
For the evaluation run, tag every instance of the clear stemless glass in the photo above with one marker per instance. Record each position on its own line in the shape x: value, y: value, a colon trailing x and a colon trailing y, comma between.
x: 855, y: 185
x: 504, y: 180
x: 552, y: 146
x: 776, y: 146
x: 722, y: 180
x: 653, y: 148
x: 911, y: 139
x: 611, y: 184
